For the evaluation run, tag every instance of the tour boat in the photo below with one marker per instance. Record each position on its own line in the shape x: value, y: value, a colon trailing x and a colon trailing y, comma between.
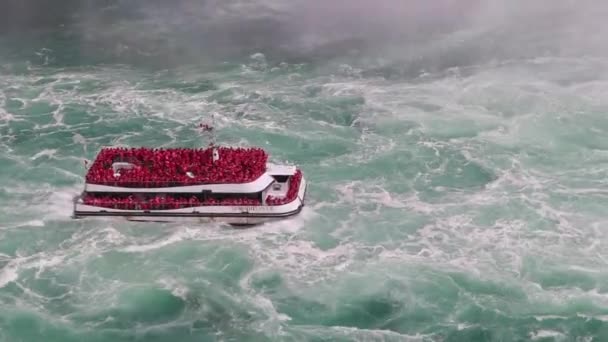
x: 234, y: 185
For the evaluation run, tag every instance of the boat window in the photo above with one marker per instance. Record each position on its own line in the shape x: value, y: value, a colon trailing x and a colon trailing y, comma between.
x: 280, y: 178
x: 201, y: 196
x: 144, y: 201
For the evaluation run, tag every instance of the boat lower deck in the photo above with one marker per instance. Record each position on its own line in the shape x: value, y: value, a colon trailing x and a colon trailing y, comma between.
x: 232, y: 214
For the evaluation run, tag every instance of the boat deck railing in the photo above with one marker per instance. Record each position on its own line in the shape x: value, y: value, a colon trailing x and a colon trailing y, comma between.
x: 163, y: 202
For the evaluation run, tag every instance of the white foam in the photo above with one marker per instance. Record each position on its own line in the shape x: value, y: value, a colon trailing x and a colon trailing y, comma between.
x: 547, y: 317
x: 31, y: 223
x: 544, y: 333
x: 8, y: 274
x: 361, y: 334
x: 43, y: 263
x: 363, y: 192
x: 60, y: 203
x: 177, y: 289
x: 45, y: 152
x: 40, y: 261
x: 180, y: 235
x: 6, y: 116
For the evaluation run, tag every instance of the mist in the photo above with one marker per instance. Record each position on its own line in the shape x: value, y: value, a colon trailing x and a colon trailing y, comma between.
x: 413, y: 34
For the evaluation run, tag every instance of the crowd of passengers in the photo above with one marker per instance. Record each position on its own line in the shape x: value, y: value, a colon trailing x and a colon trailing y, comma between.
x: 171, y: 202
x: 170, y: 167
x: 161, y: 203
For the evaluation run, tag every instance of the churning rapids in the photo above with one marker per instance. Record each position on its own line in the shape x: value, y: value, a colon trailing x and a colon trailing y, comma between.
x: 457, y: 158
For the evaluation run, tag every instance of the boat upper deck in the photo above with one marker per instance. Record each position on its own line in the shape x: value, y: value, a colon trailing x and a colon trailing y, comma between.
x: 151, y: 168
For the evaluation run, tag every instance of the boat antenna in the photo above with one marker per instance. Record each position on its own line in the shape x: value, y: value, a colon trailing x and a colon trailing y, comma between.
x: 210, y: 129
x: 213, y: 129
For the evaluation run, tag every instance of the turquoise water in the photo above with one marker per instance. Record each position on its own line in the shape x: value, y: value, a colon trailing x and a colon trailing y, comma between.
x: 465, y: 203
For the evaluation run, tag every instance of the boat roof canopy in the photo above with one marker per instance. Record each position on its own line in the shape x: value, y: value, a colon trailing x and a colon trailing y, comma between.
x: 280, y: 170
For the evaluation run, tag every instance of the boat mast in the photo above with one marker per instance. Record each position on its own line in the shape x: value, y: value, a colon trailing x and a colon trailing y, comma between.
x: 210, y: 129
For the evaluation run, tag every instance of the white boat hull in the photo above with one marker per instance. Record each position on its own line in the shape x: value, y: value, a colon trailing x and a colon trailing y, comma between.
x: 235, y: 221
